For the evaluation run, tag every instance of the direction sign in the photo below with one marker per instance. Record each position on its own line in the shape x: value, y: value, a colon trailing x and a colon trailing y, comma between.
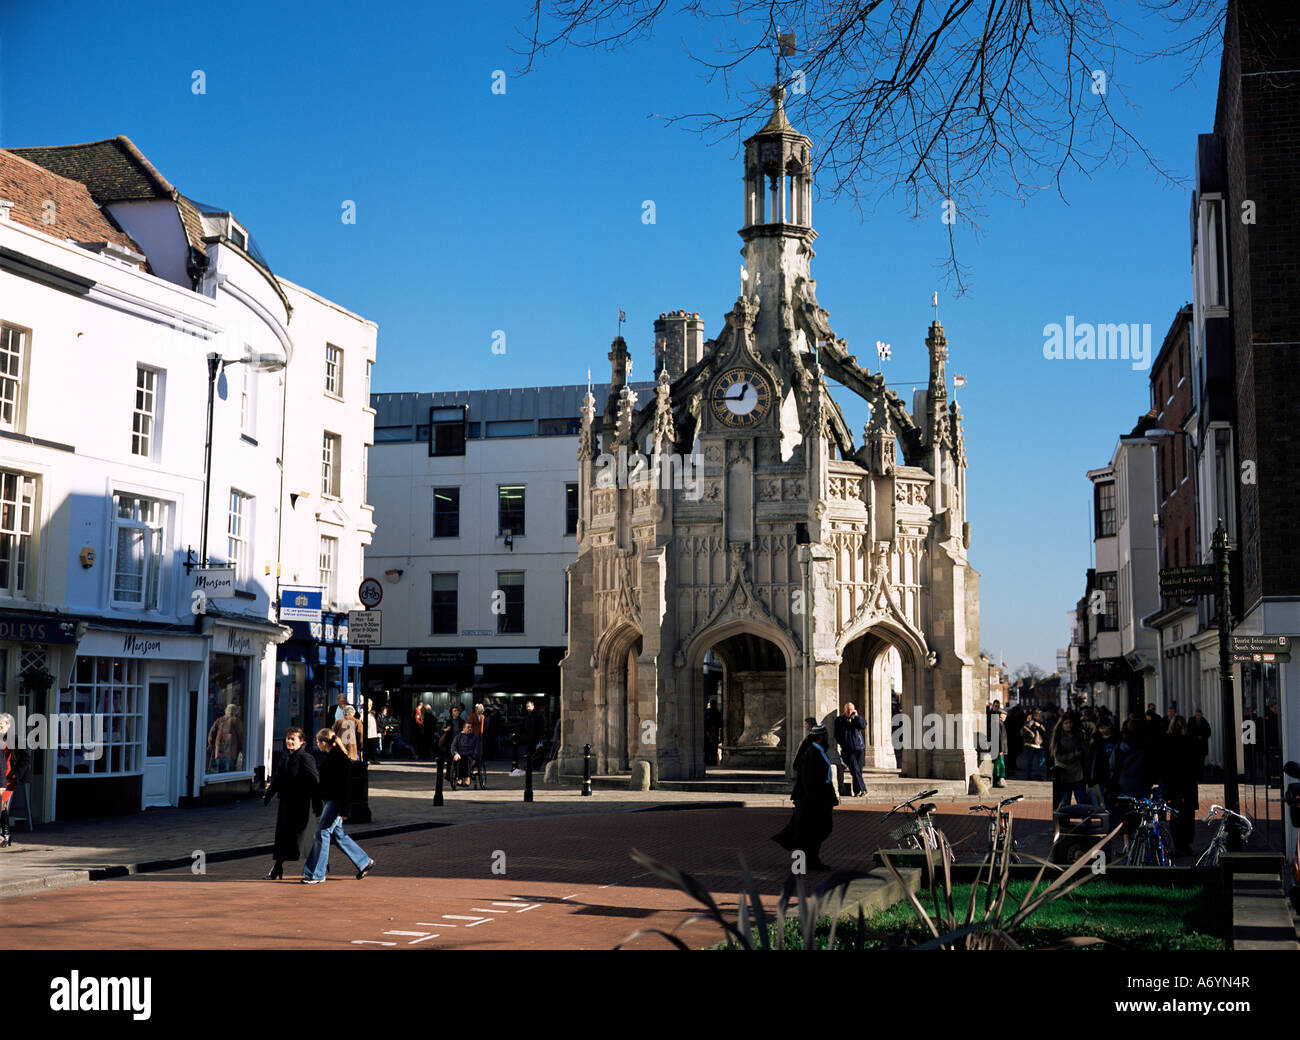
x: 1197, y: 580
x: 1261, y: 649
x: 364, y: 627
x: 300, y: 602
x: 371, y: 593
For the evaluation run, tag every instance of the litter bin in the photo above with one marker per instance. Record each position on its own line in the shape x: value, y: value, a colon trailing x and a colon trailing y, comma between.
x: 1076, y: 829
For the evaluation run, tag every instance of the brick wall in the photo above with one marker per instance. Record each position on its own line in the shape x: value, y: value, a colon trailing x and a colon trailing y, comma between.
x: 1171, y: 397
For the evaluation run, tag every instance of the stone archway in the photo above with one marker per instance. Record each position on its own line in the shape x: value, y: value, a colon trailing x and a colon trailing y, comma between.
x: 874, y: 665
x: 616, y: 667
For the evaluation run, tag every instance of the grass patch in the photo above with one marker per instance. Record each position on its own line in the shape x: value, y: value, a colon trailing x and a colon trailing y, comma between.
x: 1135, y: 917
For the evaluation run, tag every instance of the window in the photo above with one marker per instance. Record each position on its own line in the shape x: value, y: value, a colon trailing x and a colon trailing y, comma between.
x: 13, y: 345
x: 238, y: 235
x: 1214, y: 259
x: 448, y: 425
x: 510, y: 509
x: 510, y: 620
x: 110, y: 689
x: 1109, y: 621
x: 570, y: 508
x: 566, y: 602
x: 1104, y: 500
x: 392, y: 434
x: 329, y: 553
x: 369, y: 366
x: 559, y: 427
x: 333, y: 370
x: 444, y: 621
x: 138, y: 525
x: 248, y: 402
x: 237, y: 529
x: 331, y: 454
x: 511, y: 428
x: 17, y: 500
x: 146, y: 388
x: 446, y: 512
x: 227, y: 750
x: 1224, y: 505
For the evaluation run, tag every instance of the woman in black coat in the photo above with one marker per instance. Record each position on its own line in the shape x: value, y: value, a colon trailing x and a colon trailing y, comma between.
x: 1182, y: 769
x: 294, y: 778
x: 814, y: 799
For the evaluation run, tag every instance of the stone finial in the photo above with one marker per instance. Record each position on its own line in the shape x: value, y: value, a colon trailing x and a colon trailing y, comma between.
x: 623, y: 417
x: 665, y: 433
x: 587, y: 433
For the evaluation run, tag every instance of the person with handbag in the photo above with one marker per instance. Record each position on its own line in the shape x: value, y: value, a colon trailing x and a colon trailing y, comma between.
x: 294, y: 779
x: 333, y: 803
x: 15, y: 769
x: 814, y: 802
x: 1069, y: 755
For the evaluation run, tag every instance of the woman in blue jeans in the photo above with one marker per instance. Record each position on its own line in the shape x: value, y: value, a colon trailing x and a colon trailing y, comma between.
x: 335, y: 775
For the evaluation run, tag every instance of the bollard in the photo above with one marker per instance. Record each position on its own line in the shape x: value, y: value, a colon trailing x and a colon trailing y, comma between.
x: 437, y: 790
x: 586, y: 770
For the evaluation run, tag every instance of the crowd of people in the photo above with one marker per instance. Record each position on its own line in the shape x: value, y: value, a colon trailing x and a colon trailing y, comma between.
x: 1092, y: 758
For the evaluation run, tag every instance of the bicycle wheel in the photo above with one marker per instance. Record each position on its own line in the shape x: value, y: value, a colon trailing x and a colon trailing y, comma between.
x: 1136, y: 847
x: 1210, y: 857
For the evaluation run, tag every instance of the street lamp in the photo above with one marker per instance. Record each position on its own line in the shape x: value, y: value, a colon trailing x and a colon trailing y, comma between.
x: 258, y: 363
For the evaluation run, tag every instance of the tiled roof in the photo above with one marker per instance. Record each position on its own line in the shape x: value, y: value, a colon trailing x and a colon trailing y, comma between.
x: 113, y: 170
x: 116, y: 170
x: 30, y: 186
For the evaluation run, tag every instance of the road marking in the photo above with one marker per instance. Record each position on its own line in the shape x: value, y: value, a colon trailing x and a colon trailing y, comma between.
x: 515, y: 905
x: 485, y: 910
x: 574, y: 896
x: 456, y: 917
x: 484, y: 920
x: 371, y: 942
x: 414, y: 941
x: 405, y: 933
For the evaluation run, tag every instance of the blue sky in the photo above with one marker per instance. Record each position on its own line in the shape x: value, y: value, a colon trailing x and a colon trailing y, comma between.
x: 522, y: 212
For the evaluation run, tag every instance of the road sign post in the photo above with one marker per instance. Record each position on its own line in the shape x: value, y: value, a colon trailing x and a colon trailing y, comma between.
x: 1228, y: 727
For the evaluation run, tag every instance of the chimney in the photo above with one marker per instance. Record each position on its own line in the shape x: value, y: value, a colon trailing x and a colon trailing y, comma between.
x: 679, y: 342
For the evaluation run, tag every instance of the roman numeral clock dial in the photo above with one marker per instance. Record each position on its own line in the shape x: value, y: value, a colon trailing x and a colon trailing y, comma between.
x: 740, y: 398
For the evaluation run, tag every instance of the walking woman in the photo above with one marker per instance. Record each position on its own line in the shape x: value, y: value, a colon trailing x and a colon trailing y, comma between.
x: 15, y: 769
x: 294, y: 779
x: 814, y: 801
x: 335, y: 777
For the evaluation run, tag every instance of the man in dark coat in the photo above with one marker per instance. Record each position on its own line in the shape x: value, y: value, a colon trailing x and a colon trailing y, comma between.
x: 532, y: 728
x: 712, y: 733
x: 849, y: 735
x: 814, y: 800
x: 1199, y: 730
x: 294, y: 779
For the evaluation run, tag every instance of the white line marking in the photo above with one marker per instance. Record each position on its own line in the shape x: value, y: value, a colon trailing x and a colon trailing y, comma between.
x: 574, y: 896
x: 427, y: 937
x: 485, y: 910
x: 483, y: 920
x: 371, y: 942
x: 523, y: 909
x: 430, y: 924
x: 457, y: 917
x: 514, y: 905
x: 405, y: 933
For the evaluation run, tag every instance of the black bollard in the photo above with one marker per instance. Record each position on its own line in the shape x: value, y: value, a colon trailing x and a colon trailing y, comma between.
x: 586, y: 770
x: 437, y: 790
x: 528, y: 775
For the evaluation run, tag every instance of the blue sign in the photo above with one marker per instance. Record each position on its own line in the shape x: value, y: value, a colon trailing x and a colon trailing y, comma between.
x: 300, y: 602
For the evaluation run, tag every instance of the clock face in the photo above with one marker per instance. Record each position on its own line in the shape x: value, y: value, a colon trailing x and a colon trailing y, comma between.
x: 740, y: 397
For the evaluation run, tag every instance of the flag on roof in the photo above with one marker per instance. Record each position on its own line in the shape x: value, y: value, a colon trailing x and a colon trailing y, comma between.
x: 622, y: 316
x: 934, y: 300
x: 959, y: 381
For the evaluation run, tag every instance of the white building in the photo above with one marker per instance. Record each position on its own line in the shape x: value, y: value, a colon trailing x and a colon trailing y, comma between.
x: 475, y: 498
x: 114, y: 289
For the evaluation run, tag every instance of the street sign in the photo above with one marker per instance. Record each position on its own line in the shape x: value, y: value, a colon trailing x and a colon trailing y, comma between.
x: 300, y: 602
x: 428, y: 656
x: 1261, y: 649
x: 214, y: 582
x: 364, y: 627
x: 1198, y: 580
x: 371, y: 593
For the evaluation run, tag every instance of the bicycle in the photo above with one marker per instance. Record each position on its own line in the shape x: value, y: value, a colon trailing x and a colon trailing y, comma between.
x: 999, y: 828
x: 1226, y: 819
x: 1152, y: 845
x: 919, y: 831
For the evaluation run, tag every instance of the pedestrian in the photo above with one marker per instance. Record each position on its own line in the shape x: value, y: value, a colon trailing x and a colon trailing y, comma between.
x: 1015, y: 723
x: 333, y: 806
x: 466, y: 750
x: 1069, y: 752
x: 1000, y: 747
x: 1034, y: 733
x: 1099, y: 773
x: 712, y: 734
x: 342, y: 704
x: 814, y: 801
x: 1199, y: 730
x: 554, y: 753
x: 294, y: 780
x: 346, y: 731
x: 532, y: 728
x: 372, y: 733
x: 15, y: 769
x: 809, y: 724
x: 1181, y: 771
x: 849, y: 730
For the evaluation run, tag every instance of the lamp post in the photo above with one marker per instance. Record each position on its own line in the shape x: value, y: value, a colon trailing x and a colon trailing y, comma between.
x: 258, y: 363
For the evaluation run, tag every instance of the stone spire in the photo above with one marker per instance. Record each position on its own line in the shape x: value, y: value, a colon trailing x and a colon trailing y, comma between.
x: 936, y: 398
x: 665, y: 433
x: 619, y: 363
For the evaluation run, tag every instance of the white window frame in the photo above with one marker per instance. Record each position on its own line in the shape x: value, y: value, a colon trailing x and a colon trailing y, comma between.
x: 334, y: 371
x: 328, y: 566
x: 113, y: 688
x: 145, y: 420
x: 18, y: 520
x: 239, y: 524
x: 248, y: 402
x: 331, y: 458
x: 13, y: 375
x: 155, y: 530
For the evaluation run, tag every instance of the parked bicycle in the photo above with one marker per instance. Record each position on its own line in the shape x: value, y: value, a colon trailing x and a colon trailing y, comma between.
x: 999, y: 828
x: 918, y: 832
x: 1152, y: 845
x: 1227, y: 821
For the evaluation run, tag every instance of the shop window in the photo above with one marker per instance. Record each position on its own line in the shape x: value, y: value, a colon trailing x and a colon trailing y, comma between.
x: 226, y: 745
x: 102, y: 720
